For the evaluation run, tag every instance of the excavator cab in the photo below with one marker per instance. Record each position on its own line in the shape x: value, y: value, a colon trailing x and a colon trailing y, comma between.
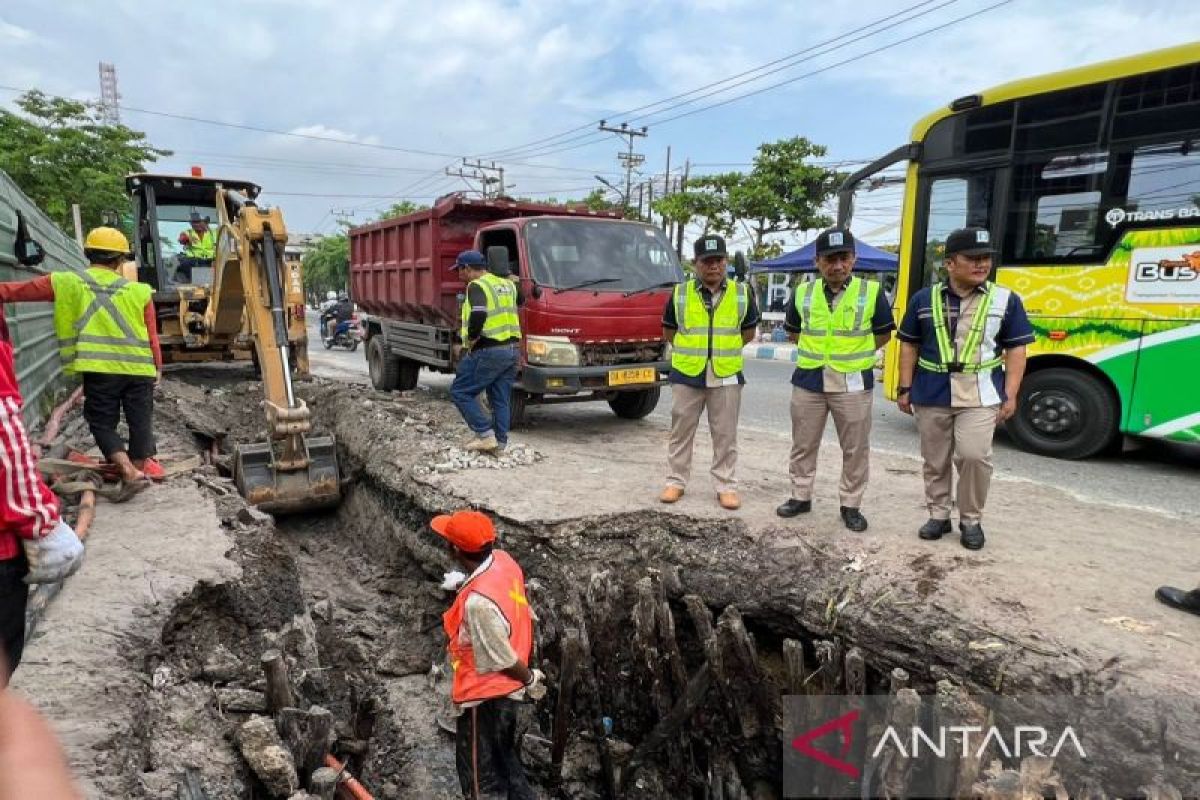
x: 208, y: 305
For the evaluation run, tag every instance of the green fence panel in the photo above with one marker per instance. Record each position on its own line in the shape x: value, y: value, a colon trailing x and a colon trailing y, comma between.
x: 31, y: 325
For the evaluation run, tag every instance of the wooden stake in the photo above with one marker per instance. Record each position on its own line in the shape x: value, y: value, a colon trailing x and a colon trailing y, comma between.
x: 279, y: 690
x: 899, y: 680
x: 671, y: 724
x: 323, y: 783
x: 307, y: 734
x: 904, y: 713
x: 572, y: 652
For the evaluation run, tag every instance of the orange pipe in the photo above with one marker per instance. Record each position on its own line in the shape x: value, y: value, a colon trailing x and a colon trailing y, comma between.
x: 55, y: 421
x: 87, y: 513
x: 347, y: 786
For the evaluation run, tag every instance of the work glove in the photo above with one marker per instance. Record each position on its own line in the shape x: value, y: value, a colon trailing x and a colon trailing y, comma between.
x: 536, y: 688
x: 184, y: 239
x: 452, y: 580
x: 53, y: 557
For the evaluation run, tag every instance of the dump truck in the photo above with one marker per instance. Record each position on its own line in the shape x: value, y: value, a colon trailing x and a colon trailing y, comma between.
x: 593, y: 287
x: 244, y: 295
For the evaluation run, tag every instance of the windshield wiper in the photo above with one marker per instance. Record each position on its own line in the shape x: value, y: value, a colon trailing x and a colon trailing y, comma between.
x: 591, y: 282
x: 659, y: 285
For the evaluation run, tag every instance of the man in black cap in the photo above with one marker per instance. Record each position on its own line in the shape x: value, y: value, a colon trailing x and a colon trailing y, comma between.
x: 707, y: 320
x: 962, y: 358
x: 838, y: 321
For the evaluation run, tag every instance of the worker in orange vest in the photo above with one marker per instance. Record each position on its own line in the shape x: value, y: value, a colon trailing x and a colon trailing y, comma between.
x: 490, y: 635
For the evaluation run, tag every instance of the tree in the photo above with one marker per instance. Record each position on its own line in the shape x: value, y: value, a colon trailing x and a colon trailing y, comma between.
x: 59, y: 153
x: 780, y: 194
x: 403, y: 209
x: 327, y: 265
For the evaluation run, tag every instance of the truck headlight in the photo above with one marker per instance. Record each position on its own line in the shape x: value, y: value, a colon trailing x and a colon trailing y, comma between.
x: 551, y: 351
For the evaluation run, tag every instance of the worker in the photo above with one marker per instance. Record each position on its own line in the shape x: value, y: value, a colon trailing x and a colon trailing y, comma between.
x: 708, y: 319
x: 108, y: 334
x: 340, y: 312
x: 1181, y: 599
x: 199, y: 243
x: 838, y: 321
x: 962, y: 358
x: 36, y: 545
x: 489, y: 631
x: 490, y: 333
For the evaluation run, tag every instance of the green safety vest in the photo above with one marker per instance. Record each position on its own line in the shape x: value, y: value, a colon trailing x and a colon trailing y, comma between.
x: 948, y: 359
x: 99, y: 319
x: 698, y: 332
x: 502, y: 322
x: 838, y: 338
x: 202, y: 245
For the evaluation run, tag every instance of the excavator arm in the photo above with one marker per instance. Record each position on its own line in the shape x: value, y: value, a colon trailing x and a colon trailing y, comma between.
x: 292, y: 471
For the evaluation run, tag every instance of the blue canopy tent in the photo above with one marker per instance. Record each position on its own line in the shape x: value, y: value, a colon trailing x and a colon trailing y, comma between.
x: 870, y: 259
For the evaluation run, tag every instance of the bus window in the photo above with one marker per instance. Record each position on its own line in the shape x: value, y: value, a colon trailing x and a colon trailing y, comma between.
x: 1164, y: 177
x: 1055, y: 209
x: 954, y: 202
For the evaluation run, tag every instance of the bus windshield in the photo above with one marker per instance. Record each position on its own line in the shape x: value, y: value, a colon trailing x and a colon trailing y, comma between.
x: 600, y: 255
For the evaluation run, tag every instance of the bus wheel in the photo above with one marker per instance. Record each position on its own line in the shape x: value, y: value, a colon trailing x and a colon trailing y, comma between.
x: 1065, y: 413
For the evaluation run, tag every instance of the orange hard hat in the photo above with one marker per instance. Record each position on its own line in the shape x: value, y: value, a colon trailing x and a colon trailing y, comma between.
x: 469, y: 531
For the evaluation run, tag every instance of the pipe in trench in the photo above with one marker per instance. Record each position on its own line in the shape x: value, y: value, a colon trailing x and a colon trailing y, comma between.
x: 348, y: 786
x: 55, y: 421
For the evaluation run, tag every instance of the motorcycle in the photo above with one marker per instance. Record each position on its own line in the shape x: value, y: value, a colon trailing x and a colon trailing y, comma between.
x: 347, y: 334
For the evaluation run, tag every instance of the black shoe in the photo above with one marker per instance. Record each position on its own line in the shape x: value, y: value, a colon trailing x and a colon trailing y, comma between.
x: 1178, y: 598
x: 854, y: 519
x: 972, y: 535
x: 793, y: 507
x: 934, y: 529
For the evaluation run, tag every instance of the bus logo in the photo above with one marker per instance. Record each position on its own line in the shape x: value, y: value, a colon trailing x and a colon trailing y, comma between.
x: 1115, y: 216
x: 1164, y: 275
x: 1183, y: 269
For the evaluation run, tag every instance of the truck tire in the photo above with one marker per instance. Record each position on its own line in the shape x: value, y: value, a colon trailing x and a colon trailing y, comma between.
x: 517, y: 406
x: 382, y: 365
x: 1065, y: 413
x: 407, y: 373
x: 634, y: 405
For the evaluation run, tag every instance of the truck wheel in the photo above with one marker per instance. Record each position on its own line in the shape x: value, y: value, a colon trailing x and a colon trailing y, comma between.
x: 634, y: 405
x: 516, y: 408
x: 382, y: 365
x: 1064, y: 413
x: 407, y: 373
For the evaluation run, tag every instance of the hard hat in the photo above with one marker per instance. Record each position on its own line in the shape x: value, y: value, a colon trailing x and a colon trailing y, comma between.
x: 331, y: 295
x: 469, y: 531
x: 108, y: 239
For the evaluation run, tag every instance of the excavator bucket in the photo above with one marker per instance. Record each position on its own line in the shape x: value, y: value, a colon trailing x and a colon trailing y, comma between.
x: 279, y: 491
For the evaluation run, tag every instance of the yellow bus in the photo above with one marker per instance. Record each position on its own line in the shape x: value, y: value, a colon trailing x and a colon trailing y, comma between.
x: 1089, y: 181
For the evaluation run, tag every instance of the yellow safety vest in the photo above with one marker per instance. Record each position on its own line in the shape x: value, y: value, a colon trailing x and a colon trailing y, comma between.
x: 839, y: 338
x: 99, y: 319
x: 698, y: 333
x: 502, y: 321
x: 201, y: 245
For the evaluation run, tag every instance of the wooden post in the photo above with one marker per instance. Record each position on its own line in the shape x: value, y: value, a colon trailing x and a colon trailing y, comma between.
x: 279, y: 690
x: 904, y: 713
x: 307, y: 734
x: 572, y: 651
x: 899, y: 680
x: 793, y: 662
x: 829, y: 659
x: 190, y: 787
x: 856, y: 672
x: 671, y: 724
x: 323, y: 783
x: 741, y: 673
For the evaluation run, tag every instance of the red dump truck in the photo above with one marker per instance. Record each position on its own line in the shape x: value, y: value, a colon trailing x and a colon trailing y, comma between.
x: 593, y: 288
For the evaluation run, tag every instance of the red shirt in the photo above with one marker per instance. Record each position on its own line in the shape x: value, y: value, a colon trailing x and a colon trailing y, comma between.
x: 42, y: 290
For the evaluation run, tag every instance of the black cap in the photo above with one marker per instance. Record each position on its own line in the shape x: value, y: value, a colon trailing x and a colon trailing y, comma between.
x: 709, y: 246
x: 835, y: 240
x: 969, y: 242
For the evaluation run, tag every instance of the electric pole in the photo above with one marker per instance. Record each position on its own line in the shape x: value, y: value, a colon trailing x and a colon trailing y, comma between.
x: 487, y: 179
x: 687, y: 165
x: 473, y: 175
x: 629, y: 159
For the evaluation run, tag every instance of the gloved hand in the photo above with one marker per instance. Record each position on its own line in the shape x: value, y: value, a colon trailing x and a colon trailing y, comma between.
x: 53, y: 557
x: 536, y: 688
x: 452, y: 580
x: 184, y: 239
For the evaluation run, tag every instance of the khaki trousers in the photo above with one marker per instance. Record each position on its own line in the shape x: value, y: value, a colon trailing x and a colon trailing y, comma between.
x: 723, y: 404
x: 851, y: 413
x: 962, y: 437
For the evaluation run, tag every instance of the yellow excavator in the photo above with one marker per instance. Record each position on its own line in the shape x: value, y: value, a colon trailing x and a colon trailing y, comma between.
x: 215, y: 260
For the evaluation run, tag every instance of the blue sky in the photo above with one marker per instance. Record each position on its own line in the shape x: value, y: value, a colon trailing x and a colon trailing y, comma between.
x: 473, y: 77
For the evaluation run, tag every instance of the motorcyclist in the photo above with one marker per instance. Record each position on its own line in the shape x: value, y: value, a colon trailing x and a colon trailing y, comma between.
x: 341, y: 312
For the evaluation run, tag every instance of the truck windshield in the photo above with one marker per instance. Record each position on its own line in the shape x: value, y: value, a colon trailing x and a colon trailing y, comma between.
x: 569, y: 252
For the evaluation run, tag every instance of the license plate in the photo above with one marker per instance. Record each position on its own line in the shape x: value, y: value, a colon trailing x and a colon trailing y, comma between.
x: 625, y: 377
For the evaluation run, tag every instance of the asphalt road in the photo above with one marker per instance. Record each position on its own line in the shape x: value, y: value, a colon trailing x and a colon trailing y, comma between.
x: 1153, y: 475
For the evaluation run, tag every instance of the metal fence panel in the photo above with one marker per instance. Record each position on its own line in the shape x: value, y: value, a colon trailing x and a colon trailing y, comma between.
x: 31, y: 325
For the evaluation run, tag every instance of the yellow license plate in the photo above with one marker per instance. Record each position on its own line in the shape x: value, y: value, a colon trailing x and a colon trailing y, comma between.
x: 625, y: 377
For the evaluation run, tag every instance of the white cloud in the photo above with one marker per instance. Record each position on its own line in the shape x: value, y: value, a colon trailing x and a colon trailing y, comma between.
x: 15, y: 34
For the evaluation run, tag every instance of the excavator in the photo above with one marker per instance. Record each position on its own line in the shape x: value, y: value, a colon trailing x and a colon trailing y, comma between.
x: 214, y: 304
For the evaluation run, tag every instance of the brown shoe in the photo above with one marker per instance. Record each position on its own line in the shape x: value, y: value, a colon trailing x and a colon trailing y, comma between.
x: 670, y: 494
x: 729, y: 500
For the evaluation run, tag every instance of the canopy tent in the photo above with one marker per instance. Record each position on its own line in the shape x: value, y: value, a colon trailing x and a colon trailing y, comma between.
x: 870, y: 259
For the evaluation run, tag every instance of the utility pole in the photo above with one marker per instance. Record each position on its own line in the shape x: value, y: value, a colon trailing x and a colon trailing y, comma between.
x: 473, y: 175
x: 687, y: 165
x: 487, y: 179
x: 629, y: 159
x: 666, y: 186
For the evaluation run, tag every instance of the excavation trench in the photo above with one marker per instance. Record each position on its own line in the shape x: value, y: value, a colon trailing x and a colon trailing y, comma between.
x: 669, y: 642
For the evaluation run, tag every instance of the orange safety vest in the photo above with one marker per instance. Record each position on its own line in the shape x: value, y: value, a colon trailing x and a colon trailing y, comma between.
x: 503, y: 583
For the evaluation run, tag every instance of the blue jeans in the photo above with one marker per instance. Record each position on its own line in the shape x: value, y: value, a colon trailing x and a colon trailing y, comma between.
x: 494, y: 370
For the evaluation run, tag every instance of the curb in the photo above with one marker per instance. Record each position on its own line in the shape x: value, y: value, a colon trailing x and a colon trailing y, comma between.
x: 770, y: 352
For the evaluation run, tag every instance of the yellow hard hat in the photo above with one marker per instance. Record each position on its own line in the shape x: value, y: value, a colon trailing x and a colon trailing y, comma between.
x: 109, y: 239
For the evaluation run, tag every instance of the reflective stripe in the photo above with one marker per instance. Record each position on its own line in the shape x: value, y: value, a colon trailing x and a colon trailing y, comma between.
x: 102, y: 299
x: 976, y: 345
x: 125, y: 358
x: 839, y: 337
x: 696, y: 351
x: 704, y: 335
x: 860, y: 311
x: 836, y: 356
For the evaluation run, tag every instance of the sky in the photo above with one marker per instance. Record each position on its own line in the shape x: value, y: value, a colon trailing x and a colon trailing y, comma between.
x: 371, y: 100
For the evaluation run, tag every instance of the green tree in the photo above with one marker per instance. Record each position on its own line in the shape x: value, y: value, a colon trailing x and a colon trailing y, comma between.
x: 59, y: 153
x: 781, y: 193
x: 327, y: 265
x: 403, y: 209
